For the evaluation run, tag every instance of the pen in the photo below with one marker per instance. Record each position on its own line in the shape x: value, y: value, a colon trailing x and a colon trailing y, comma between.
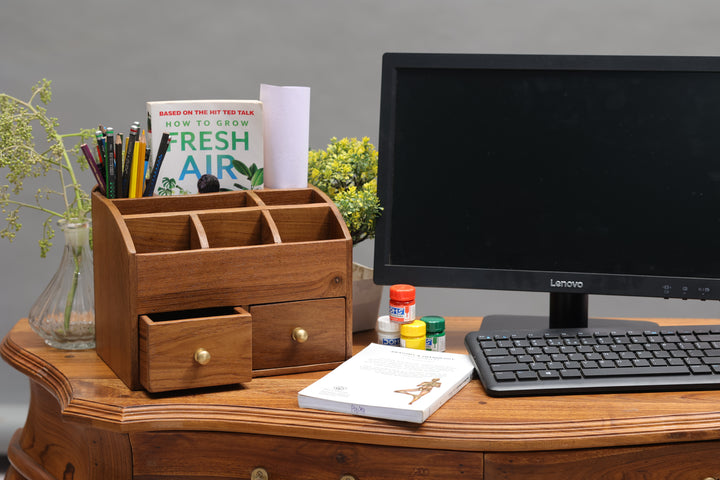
x: 94, y: 167
x: 162, y: 149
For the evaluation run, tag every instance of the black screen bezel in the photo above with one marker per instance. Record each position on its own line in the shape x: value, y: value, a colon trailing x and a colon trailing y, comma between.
x: 519, y: 280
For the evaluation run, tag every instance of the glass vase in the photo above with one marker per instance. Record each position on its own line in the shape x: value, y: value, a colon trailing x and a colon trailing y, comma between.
x: 64, y: 314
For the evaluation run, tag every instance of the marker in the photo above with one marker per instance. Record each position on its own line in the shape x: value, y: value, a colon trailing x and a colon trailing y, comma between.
x: 162, y: 149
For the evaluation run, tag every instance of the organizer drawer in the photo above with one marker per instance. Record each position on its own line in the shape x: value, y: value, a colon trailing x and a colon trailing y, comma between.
x: 195, y: 348
x: 302, y: 333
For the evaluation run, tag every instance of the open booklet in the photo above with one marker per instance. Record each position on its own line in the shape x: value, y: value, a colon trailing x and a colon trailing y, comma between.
x: 394, y: 383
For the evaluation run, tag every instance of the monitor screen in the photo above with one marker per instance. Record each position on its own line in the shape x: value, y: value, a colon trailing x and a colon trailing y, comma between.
x: 572, y: 175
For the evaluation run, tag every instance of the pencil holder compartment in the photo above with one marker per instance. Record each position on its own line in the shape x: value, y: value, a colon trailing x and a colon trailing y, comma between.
x: 273, y: 252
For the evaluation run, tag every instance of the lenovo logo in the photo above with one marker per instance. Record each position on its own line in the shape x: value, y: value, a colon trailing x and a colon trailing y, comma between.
x: 566, y: 283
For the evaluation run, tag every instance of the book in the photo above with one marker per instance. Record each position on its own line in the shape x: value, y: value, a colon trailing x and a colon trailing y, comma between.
x: 393, y: 383
x: 223, y: 138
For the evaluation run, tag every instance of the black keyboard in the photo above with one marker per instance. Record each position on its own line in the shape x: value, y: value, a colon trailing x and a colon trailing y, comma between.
x: 595, y: 360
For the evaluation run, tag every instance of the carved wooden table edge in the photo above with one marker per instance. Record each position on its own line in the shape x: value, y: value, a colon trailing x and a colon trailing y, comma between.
x: 438, y: 432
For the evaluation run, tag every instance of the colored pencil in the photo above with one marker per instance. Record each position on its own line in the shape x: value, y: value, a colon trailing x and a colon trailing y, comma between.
x: 94, y: 167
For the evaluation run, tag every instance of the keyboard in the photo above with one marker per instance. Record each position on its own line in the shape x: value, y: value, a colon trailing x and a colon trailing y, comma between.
x: 595, y: 360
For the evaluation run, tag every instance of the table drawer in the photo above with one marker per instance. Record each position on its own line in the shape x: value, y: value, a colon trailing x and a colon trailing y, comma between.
x: 697, y: 460
x: 276, y: 347
x: 196, y: 348
x: 218, y: 455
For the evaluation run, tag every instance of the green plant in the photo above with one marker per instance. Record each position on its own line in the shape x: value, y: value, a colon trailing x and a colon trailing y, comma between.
x: 169, y: 185
x: 254, y: 175
x: 347, y: 172
x: 20, y: 160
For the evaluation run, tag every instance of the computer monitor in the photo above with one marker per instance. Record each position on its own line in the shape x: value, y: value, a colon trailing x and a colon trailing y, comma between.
x: 567, y: 174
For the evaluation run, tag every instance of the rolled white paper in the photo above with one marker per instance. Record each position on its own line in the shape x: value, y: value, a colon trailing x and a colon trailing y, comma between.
x: 286, y: 120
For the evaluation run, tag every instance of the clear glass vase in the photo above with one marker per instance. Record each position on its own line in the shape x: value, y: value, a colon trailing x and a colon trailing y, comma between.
x: 64, y: 314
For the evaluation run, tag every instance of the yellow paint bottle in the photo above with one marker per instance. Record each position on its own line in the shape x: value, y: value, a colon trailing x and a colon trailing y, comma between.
x: 412, y: 335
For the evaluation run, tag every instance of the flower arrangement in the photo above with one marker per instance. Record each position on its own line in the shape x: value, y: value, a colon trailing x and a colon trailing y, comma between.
x: 22, y: 160
x: 347, y: 172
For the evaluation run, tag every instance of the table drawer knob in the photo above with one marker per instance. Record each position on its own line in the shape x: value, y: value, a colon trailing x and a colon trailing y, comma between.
x: 300, y: 335
x: 202, y: 356
x: 347, y: 477
x: 259, y: 474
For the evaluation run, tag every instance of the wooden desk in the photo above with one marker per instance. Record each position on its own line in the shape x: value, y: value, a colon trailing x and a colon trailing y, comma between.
x: 83, y: 423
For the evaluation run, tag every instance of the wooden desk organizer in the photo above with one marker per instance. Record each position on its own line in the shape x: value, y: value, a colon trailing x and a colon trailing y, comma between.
x: 214, y: 289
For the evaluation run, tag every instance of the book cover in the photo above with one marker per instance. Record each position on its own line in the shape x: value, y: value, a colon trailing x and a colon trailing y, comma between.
x: 388, y: 382
x: 223, y: 138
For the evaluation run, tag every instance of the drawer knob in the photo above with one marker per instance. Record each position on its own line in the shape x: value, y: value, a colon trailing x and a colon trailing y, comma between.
x: 300, y: 335
x: 259, y: 474
x: 347, y: 477
x: 202, y: 356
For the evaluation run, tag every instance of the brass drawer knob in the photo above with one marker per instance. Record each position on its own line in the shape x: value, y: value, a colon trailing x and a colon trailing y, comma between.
x: 202, y: 356
x: 259, y: 474
x: 347, y: 477
x: 300, y: 335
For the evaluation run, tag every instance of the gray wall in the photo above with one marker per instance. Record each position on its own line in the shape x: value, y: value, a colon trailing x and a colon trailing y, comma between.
x: 107, y: 58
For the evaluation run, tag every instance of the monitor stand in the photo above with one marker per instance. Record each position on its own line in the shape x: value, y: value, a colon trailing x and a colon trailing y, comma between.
x: 567, y: 310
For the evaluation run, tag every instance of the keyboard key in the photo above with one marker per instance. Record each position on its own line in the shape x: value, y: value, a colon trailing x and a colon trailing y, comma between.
x: 495, y: 352
x: 501, y: 359
x: 505, y: 376
x: 509, y: 367
x: 635, y: 371
x: 527, y: 375
x: 700, y: 369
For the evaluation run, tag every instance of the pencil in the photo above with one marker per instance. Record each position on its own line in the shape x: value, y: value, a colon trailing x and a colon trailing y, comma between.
x: 118, y: 159
x: 139, y: 174
x: 100, y: 142
x: 94, y: 167
x: 132, y: 138
x: 132, y: 177
x: 110, y: 161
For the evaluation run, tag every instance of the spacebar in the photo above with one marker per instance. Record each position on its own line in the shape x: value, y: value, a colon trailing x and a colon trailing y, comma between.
x: 635, y: 371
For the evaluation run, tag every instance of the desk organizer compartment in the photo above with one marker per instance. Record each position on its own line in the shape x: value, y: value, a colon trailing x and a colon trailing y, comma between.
x: 284, y: 257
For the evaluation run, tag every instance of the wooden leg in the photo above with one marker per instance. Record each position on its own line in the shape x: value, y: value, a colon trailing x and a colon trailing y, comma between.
x: 49, y: 448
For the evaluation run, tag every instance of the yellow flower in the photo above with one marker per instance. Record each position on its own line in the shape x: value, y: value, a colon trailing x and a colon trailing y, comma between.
x: 346, y: 170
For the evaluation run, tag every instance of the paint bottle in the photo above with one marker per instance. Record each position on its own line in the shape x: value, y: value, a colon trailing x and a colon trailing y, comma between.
x: 388, y: 333
x: 412, y: 335
x: 402, y: 303
x: 435, y: 333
